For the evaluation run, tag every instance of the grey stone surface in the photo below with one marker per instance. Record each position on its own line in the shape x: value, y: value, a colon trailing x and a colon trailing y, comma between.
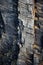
x: 26, y: 15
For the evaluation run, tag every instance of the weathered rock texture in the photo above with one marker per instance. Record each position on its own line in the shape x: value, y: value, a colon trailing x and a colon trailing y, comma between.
x: 25, y: 9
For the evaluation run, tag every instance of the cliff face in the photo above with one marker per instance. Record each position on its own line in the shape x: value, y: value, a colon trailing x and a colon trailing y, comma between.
x: 38, y: 21
x: 25, y: 9
x: 31, y: 20
x: 9, y: 49
x: 13, y: 11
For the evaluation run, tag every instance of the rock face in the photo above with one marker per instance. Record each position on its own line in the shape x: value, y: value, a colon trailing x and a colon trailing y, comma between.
x: 18, y: 18
x: 38, y: 22
x: 25, y: 9
x: 38, y: 54
x: 9, y: 48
